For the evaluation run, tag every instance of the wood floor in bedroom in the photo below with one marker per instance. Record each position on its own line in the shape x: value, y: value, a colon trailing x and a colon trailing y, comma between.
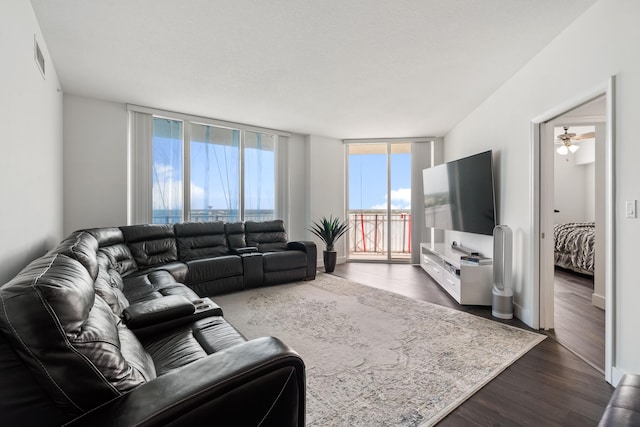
x: 579, y: 325
x: 548, y: 386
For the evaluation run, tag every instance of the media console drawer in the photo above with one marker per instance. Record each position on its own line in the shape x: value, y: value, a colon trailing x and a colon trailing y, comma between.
x: 451, y: 285
x: 468, y: 284
x: 432, y: 267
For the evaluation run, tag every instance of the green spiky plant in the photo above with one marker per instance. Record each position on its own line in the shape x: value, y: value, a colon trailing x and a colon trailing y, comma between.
x: 329, y: 230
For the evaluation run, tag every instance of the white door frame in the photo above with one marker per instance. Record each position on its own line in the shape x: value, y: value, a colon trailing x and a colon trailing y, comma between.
x: 542, y: 227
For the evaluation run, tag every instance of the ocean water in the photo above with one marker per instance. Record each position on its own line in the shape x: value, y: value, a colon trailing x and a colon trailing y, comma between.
x: 170, y: 216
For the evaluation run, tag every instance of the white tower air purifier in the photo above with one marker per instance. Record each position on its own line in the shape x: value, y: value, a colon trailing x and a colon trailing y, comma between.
x: 502, y: 264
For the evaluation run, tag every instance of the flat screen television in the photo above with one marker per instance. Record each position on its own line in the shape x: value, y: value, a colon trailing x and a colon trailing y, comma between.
x: 459, y: 195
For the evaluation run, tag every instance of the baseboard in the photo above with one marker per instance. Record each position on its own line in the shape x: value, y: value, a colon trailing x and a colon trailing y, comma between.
x: 522, y: 314
x: 339, y: 260
x: 616, y: 375
x: 598, y: 300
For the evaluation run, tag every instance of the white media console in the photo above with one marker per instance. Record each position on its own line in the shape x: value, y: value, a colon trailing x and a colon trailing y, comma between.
x: 468, y: 283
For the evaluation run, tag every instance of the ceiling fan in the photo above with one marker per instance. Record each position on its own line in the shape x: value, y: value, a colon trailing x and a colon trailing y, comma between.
x: 565, y: 141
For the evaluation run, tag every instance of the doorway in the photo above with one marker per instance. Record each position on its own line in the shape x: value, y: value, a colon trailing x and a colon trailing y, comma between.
x: 575, y: 113
x: 379, y: 201
x: 578, y: 218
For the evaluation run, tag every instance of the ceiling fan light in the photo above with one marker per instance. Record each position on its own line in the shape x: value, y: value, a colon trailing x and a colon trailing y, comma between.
x: 573, y: 148
x: 563, y: 150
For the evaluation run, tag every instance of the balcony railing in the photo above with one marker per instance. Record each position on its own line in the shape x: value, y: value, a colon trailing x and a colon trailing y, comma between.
x: 165, y: 216
x: 368, y: 237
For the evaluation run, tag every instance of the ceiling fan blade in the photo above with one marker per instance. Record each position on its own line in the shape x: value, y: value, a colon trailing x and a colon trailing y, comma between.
x: 588, y: 135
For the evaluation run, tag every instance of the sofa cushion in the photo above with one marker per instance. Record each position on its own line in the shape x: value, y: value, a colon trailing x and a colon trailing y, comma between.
x: 155, y: 284
x: 182, y: 346
x: 206, y: 270
x: 235, y: 235
x: 174, y: 350
x: 61, y: 330
x: 121, y: 258
x: 215, y: 334
x: 281, y: 261
x: 151, y: 244
x: 267, y: 236
x: 105, y: 341
x: 112, y: 295
x: 198, y: 240
x: 177, y: 269
x: 111, y: 243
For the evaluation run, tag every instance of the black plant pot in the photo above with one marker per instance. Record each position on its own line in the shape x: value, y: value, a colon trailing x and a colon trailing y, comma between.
x: 330, y: 258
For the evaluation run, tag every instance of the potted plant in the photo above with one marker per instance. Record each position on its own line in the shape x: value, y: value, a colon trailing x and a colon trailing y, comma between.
x: 329, y: 230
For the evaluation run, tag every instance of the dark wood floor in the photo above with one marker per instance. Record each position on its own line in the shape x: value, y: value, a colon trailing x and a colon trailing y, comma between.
x: 579, y: 325
x: 548, y: 386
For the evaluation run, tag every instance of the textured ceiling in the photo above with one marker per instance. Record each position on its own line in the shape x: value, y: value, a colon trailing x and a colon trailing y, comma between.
x: 338, y: 68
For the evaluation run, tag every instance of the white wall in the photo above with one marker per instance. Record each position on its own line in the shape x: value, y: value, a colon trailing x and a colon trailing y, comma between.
x: 503, y: 122
x: 326, y: 185
x: 31, y: 162
x: 95, y: 163
x: 574, y: 190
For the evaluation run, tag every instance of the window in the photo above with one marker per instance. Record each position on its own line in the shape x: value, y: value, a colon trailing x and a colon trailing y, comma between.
x: 215, y: 174
x: 259, y: 176
x: 167, y: 171
x: 185, y: 168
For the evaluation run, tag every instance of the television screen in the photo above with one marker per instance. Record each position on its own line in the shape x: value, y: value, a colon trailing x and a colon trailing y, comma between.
x: 459, y: 195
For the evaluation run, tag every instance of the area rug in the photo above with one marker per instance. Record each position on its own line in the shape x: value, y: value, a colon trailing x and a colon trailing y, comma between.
x: 375, y: 358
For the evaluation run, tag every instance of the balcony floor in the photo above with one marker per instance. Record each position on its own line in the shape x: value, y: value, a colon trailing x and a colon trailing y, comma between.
x: 378, y: 256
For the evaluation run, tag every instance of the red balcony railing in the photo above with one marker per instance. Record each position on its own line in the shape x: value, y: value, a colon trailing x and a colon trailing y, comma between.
x: 368, y: 233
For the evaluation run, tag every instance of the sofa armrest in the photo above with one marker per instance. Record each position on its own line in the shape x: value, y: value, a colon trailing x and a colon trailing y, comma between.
x: 252, y: 269
x: 260, y: 382
x: 244, y: 250
x: 623, y: 408
x: 159, y: 310
x: 312, y: 256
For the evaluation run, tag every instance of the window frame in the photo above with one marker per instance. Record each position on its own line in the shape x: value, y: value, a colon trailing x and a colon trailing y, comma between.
x: 140, y: 186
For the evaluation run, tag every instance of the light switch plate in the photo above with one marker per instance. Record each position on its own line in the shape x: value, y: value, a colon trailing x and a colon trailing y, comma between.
x: 630, y: 208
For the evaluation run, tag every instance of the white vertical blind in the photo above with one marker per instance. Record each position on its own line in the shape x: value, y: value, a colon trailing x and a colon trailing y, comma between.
x: 139, y: 167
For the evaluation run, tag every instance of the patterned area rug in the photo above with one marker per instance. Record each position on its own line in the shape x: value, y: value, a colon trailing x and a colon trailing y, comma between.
x: 375, y: 358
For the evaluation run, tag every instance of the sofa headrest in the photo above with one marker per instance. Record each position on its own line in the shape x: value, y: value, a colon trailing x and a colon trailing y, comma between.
x: 197, y: 240
x: 82, y: 247
x: 146, y: 232
x: 107, y: 236
x: 273, y: 226
x: 267, y: 236
x: 235, y: 235
x: 55, y: 282
x: 187, y: 229
x: 151, y: 244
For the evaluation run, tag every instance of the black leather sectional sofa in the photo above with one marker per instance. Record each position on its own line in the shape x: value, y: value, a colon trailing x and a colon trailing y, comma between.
x: 115, y: 326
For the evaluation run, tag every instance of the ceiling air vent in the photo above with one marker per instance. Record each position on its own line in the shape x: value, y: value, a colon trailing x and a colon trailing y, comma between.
x: 39, y: 57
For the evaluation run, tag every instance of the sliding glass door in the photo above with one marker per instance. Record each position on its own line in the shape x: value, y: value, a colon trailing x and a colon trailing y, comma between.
x: 379, y: 205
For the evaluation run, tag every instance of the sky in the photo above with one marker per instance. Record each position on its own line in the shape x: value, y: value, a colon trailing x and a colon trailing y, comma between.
x: 368, y: 181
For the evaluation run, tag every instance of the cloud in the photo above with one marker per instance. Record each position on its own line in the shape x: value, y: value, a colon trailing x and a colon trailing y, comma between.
x: 400, y: 199
x: 402, y: 196
x: 163, y: 172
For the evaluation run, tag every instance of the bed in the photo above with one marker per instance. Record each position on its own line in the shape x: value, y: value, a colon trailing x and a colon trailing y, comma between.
x: 574, y: 246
